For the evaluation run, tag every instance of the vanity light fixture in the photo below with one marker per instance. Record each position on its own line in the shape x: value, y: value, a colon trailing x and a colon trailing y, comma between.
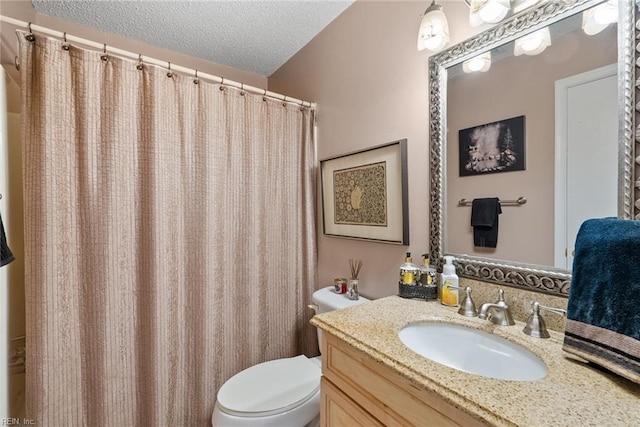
x: 534, y: 43
x: 434, y: 29
x: 480, y: 63
x: 494, y: 11
x: 488, y: 11
x: 599, y: 17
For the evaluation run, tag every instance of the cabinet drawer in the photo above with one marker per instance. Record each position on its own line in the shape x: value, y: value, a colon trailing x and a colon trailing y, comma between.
x: 390, y: 398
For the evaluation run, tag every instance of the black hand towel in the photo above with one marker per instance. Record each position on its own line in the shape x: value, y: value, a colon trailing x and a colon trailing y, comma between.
x: 484, y: 220
x: 5, y: 253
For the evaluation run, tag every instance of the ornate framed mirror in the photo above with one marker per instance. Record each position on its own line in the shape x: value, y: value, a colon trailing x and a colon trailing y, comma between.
x: 540, y: 187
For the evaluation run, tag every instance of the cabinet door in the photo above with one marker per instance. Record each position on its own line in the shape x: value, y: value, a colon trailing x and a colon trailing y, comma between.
x: 338, y: 410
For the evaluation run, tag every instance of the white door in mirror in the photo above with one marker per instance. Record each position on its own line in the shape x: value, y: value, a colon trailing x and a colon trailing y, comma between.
x: 586, y: 184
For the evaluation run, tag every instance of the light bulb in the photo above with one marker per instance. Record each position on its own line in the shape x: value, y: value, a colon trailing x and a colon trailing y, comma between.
x: 493, y: 12
x: 435, y: 42
x: 598, y: 18
x: 605, y: 14
x: 533, y: 43
x: 480, y: 63
x: 476, y: 64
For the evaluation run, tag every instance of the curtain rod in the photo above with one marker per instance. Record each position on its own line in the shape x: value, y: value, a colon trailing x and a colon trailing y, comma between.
x: 131, y: 55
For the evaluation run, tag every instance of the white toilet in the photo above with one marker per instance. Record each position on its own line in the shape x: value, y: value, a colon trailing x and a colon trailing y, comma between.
x: 282, y: 392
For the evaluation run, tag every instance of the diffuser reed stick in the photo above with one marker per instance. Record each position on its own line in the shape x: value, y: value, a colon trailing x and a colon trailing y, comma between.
x: 355, y: 265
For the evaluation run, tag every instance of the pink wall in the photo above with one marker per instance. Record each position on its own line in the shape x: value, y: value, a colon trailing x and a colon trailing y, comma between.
x: 513, y: 87
x: 370, y: 84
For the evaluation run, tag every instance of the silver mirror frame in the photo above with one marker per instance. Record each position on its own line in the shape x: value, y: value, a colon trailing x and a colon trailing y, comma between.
x: 529, y: 276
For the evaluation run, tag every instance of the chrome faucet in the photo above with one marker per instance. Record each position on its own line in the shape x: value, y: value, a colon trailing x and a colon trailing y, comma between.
x: 535, y: 326
x: 500, y: 313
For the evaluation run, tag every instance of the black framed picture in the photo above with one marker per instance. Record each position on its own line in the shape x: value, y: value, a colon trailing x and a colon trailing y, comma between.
x: 493, y: 147
x: 365, y: 194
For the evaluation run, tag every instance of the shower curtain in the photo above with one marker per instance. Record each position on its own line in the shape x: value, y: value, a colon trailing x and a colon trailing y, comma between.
x: 169, y: 233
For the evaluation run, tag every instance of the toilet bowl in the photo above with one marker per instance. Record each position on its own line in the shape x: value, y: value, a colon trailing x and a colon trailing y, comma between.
x: 281, y: 392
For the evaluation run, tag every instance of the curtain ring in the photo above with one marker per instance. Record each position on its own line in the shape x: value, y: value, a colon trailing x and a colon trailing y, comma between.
x: 65, y: 44
x: 104, y: 55
x: 222, y: 83
x: 241, y: 89
x: 169, y: 73
x: 139, y: 66
x: 30, y: 37
x: 16, y: 63
x: 284, y: 101
x: 196, y: 80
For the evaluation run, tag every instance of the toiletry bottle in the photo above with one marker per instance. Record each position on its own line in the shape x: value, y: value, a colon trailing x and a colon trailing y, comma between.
x: 449, y: 277
x: 428, y: 279
x: 409, y: 273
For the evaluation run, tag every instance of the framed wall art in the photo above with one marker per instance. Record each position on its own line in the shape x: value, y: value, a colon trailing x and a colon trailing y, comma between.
x: 492, y: 147
x: 365, y: 195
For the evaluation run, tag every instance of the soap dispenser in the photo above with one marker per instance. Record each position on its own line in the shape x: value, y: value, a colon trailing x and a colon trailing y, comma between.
x: 409, y: 273
x: 449, y: 283
x: 428, y: 279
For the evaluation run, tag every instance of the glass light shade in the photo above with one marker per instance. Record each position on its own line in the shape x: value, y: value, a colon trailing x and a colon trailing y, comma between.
x: 534, y: 43
x: 599, y: 17
x: 480, y: 63
x: 488, y: 11
x: 520, y: 5
x: 434, y: 29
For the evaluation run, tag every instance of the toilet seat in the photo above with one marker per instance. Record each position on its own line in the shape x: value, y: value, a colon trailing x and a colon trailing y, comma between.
x: 270, y: 388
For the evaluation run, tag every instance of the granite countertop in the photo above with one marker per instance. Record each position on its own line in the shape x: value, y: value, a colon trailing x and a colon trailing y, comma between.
x: 572, y: 393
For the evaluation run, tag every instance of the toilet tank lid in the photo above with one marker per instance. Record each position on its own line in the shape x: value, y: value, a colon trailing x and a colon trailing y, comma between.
x: 328, y: 299
x: 270, y: 387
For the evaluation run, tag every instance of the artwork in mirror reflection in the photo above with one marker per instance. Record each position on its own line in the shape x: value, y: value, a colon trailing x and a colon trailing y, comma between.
x: 521, y: 79
x: 492, y: 147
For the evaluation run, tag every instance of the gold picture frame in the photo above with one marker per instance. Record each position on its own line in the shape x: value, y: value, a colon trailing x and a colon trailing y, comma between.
x: 365, y: 195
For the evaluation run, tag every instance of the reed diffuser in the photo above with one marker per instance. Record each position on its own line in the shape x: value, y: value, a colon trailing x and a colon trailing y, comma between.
x: 355, y: 265
x: 352, y: 292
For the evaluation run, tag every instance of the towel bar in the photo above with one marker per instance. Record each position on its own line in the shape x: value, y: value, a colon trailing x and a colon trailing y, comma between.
x: 519, y: 201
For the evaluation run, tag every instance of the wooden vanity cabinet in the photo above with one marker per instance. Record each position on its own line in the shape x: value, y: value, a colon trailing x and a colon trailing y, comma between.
x: 357, y: 390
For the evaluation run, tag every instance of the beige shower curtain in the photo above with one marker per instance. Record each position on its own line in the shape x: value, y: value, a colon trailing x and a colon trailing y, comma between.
x: 169, y: 238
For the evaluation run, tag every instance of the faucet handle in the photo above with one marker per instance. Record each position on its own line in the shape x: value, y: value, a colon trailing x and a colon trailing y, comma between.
x: 468, y: 308
x: 508, y: 319
x: 535, y: 326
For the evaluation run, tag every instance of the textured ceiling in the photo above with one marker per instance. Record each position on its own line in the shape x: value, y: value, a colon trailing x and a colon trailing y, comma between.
x: 254, y: 36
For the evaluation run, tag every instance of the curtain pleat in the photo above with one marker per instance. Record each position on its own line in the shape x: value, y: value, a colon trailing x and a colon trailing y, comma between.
x: 169, y: 238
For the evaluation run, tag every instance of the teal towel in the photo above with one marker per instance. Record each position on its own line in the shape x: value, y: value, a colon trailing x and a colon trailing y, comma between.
x: 5, y: 253
x: 603, y: 315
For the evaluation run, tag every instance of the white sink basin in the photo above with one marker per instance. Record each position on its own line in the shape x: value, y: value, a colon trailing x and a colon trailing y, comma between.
x: 473, y: 351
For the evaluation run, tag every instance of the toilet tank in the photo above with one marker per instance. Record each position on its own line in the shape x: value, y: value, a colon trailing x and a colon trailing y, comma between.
x: 326, y: 299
